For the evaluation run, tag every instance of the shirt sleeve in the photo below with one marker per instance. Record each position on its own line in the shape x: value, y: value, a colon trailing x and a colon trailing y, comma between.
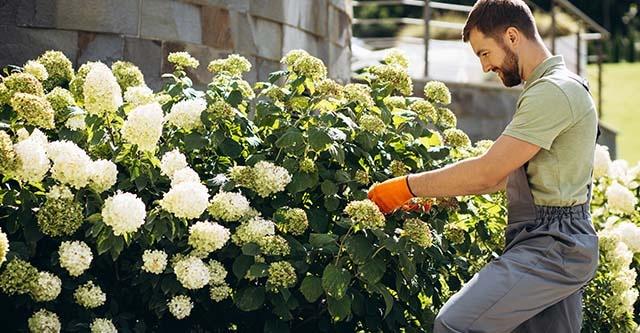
x: 543, y: 113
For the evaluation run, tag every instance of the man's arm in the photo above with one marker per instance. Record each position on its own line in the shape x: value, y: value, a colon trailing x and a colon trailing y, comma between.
x: 500, y: 187
x: 475, y: 175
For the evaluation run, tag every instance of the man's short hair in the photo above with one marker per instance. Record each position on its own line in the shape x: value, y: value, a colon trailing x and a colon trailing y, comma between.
x: 494, y: 17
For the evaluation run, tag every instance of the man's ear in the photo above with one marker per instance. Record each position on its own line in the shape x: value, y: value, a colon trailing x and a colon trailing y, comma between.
x: 512, y: 37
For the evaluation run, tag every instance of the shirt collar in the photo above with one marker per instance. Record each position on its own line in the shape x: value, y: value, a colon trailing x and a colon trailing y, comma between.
x: 544, y: 66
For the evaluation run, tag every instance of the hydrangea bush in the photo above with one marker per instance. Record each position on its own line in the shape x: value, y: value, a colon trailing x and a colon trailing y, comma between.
x: 236, y: 207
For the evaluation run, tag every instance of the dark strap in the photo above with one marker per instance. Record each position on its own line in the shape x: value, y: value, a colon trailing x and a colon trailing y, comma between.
x: 585, y: 84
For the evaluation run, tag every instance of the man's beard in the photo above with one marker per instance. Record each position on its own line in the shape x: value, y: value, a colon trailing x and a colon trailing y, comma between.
x: 510, y: 69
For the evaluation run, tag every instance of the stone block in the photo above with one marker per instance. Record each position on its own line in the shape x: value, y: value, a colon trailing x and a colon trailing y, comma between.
x: 269, y: 37
x: 115, y: 16
x: 266, y: 67
x: 22, y: 44
x: 170, y: 20
x: 216, y: 28
x: 294, y: 38
x: 284, y: 11
x: 339, y: 65
x: 237, y: 5
x: 34, y: 13
x: 339, y: 27
x: 147, y: 55
x: 103, y: 47
x: 242, y: 33
x: 313, y: 16
x: 200, y: 76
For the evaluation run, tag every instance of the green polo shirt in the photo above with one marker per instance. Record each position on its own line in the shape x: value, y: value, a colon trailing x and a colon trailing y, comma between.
x: 556, y: 113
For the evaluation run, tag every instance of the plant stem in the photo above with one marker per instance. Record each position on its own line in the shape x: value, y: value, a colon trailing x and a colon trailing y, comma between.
x: 342, y: 244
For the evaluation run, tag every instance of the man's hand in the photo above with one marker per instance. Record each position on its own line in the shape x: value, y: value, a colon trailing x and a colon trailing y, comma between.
x: 391, y: 194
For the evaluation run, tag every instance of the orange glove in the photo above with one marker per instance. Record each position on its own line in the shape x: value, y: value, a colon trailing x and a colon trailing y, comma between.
x: 391, y: 194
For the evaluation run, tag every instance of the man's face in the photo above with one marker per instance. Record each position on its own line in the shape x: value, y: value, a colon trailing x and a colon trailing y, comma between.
x: 496, y: 56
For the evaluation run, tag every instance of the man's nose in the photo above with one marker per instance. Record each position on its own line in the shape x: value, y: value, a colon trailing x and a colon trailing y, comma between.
x: 486, y: 67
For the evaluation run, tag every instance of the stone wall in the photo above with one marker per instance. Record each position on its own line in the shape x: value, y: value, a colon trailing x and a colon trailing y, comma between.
x: 145, y: 31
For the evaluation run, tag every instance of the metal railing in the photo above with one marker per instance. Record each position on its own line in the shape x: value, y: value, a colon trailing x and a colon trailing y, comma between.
x: 585, y: 24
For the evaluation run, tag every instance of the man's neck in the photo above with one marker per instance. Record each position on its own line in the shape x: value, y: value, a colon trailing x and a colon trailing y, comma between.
x: 535, y: 54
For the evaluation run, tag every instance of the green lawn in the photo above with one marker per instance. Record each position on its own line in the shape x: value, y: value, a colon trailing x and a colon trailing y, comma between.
x: 621, y: 105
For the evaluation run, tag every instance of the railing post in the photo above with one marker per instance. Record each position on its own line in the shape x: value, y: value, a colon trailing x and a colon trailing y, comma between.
x: 553, y: 27
x: 600, y: 59
x: 578, y: 50
x: 427, y: 17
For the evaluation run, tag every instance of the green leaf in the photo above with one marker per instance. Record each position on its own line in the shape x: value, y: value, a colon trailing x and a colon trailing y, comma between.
x: 275, y: 76
x: 234, y: 98
x: 302, y: 181
x: 335, y: 281
x: 332, y: 203
x: 386, y: 295
x: 250, y: 298
x: 321, y: 240
x: 117, y: 247
x: 359, y: 248
x: 339, y: 308
x: 311, y: 288
x: 231, y: 148
x: 318, y: 139
x: 250, y: 249
x: 241, y: 266
x: 258, y: 270
x: 291, y: 138
x: 329, y: 187
x: 407, y: 266
x: 337, y: 152
x: 194, y: 141
x: 372, y: 270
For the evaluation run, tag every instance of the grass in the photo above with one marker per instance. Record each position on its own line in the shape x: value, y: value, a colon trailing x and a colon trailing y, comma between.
x: 620, y: 109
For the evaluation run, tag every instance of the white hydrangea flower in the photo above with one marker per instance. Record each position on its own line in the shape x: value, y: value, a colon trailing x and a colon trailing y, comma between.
x: 217, y: 272
x: 76, y: 123
x: 229, y: 206
x: 103, y: 175
x: 89, y: 295
x: 192, y: 272
x: 36, y: 69
x: 180, y: 306
x: 629, y: 298
x: 102, y: 93
x: 620, y: 255
x: 269, y: 178
x: 254, y: 231
x: 103, y: 325
x: 71, y: 164
x: 172, y: 161
x: 186, y: 114
x: 186, y: 200
x: 44, y: 321
x: 601, y: 162
x: 139, y: 95
x: 206, y: 237
x: 628, y: 233
x: 32, y: 154
x: 184, y: 175
x: 75, y: 257
x: 47, y: 288
x: 154, y: 261
x: 59, y: 192
x: 143, y: 126
x: 124, y: 213
x: 220, y: 292
x: 4, y: 247
x: 620, y: 199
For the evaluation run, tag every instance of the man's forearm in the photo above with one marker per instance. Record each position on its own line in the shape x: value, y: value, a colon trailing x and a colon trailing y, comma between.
x: 462, y: 178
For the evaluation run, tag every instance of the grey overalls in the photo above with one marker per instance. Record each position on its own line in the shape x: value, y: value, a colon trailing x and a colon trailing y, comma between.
x: 536, y: 284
